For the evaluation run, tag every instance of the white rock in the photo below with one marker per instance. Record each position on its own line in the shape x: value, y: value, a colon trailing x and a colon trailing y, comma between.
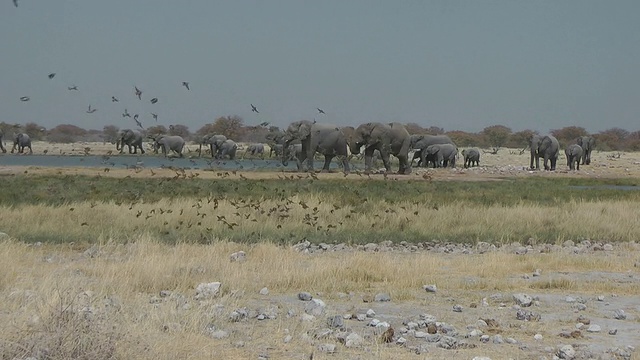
x: 401, y: 341
x: 327, y: 348
x: 307, y: 317
x: 361, y: 317
x: 594, y: 328
x: 430, y: 288
x: 238, y: 256
x: 420, y: 334
x: 619, y: 314
x: 287, y: 339
x: 481, y: 358
x: 353, y: 340
x: 537, y: 337
x: 523, y: 300
x: 315, y: 307
x: 264, y: 291
x: 371, y: 313
x: 566, y: 352
x: 219, y: 334
x: 305, y: 296
x: 207, y: 290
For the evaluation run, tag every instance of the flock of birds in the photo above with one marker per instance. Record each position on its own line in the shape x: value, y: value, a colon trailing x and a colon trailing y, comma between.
x: 138, y: 94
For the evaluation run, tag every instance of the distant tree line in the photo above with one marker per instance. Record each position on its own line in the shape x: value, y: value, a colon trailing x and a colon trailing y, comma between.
x: 493, y: 137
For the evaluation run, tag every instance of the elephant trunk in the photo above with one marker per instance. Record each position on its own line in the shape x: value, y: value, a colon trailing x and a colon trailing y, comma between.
x: 118, y: 142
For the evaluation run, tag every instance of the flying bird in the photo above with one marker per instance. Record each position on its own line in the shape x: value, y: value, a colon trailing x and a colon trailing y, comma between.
x: 320, y: 111
x: 186, y: 84
x: 154, y: 100
x: 91, y: 111
x: 264, y: 124
x: 126, y: 113
x: 155, y: 117
x: 135, y: 117
x: 72, y: 88
x: 25, y: 98
x: 254, y: 109
x: 114, y: 99
x: 52, y: 75
x: 138, y: 93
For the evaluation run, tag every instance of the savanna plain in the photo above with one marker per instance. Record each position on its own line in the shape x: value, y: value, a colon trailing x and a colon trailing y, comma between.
x: 103, y: 264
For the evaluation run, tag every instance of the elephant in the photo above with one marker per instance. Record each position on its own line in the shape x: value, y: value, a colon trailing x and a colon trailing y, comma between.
x: 169, y: 143
x: 226, y: 148
x: 421, y: 142
x: 325, y: 139
x: 293, y: 152
x: 389, y: 139
x: 276, y: 149
x: 214, y: 142
x: 471, y: 157
x: 546, y: 147
x: 574, y: 153
x: 131, y: 138
x: 2, y: 145
x: 21, y: 141
x: 254, y: 149
x: 444, y: 154
x: 587, y: 143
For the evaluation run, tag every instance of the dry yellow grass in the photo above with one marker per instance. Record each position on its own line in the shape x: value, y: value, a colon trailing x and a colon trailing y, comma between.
x: 191, y: 219
x: 53, y: 293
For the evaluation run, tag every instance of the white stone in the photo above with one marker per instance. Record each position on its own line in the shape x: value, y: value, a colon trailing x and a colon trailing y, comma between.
x: 207, y: 290
x: 537, y: 337
x: 315, y: 307
x: 264, y: 291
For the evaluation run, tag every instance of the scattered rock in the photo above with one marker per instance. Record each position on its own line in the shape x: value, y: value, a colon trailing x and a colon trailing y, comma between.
x: 430, y: 288
x: 613, y: 331
x: 594, y: 328
x: 619, y: 314
x: 327, y: 348
x: 315, y: 307
x: 370, y: 313
x: 537, y: 337
x: 523, y: 300
x: 382, y: 297
x: 264, y: 291
x: 305, y: 296
x: 335, y: 321
x: 457, y: 308
x: 238, y: 256
x: 207, y: 290
x: 448, y: 342
x: 353, y: 340
x: 527, y: 315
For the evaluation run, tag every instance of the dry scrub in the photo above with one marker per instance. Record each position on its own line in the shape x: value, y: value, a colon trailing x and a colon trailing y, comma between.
x: 100, y: 304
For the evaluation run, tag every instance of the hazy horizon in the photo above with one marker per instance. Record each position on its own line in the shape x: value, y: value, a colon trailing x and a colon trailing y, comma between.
x: 459, y: 65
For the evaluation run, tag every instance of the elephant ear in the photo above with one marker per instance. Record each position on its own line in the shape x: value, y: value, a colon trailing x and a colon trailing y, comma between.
x: 304, y: 129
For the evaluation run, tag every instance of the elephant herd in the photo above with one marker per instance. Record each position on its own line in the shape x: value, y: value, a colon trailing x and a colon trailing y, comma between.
x: 548, y: 148
x: 302, y: 140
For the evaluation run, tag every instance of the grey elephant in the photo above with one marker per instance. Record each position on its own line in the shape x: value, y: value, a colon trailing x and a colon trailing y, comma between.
x: 276, y: 149
x: 131, y: 138
x: 169, y: 143
x: 293, y: 152
x: 254, y: 150
x: 420, y: 143
x: 471, y: 157
x: 574, y: 154
x: 546, y: 147
x: 228, y: 148
x: 4, y: 150
x: 21, y: 141
x: 325, y: 139
x: 389, y: 139
x: 214, y: 142
x: 587, y: 143
x: 444, y: 154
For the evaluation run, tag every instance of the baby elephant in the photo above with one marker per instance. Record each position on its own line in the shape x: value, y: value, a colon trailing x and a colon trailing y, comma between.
x: 573, y: 153
x: 471, y: 157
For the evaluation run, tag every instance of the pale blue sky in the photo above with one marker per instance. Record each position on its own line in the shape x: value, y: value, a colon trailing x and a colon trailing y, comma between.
x: 460, y: 65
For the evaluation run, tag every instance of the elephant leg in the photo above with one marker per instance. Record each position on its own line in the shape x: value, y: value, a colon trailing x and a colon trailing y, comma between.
x: 553, y: 163
x: 327, y: 162
x: 385, y: 159
x: 345, y: 165
x: 368, y: 158
x: 423, y: 158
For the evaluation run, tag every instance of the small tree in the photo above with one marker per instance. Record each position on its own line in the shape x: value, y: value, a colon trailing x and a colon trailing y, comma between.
x: 110, y: 133
x: 464, y: 139
x: 35, y: 131
x: 496, y: 136
x: 157, y: 130
x: 568, y: 135
x: 521, y: 139
x: 180, y: 130
x: 414, y: 128
x: 65, y: 133
x: 230, y: 126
